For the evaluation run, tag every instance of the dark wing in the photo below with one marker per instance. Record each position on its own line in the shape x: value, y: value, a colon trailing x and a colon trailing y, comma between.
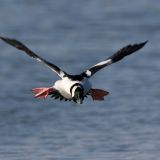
x: 22, y: 47
x: 125, y: 51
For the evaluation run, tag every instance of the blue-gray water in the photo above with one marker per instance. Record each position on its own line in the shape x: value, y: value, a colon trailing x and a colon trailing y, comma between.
x: 74, y: 34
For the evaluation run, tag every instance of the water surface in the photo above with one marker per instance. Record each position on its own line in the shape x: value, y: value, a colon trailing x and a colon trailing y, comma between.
x: 74, y: 35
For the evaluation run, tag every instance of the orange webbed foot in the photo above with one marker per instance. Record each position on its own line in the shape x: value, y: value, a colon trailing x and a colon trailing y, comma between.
x: 42, y: 92
x: 98, y: 94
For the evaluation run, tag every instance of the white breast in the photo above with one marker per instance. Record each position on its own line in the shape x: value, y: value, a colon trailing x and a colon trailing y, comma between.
x: 64, y: 85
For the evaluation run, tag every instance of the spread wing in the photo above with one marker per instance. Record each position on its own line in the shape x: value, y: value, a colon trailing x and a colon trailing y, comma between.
x: 120, y: 54
x: 21, y: 46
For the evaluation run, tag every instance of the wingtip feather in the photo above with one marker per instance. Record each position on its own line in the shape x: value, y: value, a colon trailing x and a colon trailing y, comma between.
x: 12, y: 42
x: 3, y: 38
x: 145, y: 42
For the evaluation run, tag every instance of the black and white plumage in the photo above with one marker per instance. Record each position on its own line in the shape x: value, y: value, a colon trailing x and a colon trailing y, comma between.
x: 74, y: 87
x: 22, y: 47
x: 125, y: 51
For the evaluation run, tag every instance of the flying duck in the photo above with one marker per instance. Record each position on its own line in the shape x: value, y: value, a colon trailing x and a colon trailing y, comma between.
x: 74, y: 87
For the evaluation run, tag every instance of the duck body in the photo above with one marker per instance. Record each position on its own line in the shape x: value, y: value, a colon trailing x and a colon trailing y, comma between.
x: 67, y: 85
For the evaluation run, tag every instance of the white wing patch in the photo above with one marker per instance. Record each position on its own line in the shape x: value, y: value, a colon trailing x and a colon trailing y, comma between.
x: 38, y: 59
x: 62, y: 74
x: 88, y: 73
x: 108, y: 61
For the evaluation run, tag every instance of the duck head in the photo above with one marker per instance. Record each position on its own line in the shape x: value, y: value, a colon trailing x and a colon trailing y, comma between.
x: 78, y: 94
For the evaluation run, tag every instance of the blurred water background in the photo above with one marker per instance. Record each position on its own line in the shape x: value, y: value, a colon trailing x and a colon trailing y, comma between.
x: 74, y: 34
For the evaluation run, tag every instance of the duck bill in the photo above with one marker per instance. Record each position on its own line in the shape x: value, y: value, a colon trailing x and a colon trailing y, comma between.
x: 79, y: 101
